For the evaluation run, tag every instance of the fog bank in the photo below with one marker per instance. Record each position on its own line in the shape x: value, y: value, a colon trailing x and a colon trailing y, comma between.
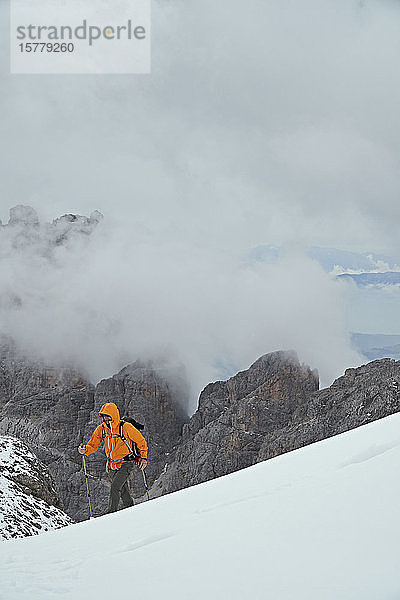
x: 106, y: 295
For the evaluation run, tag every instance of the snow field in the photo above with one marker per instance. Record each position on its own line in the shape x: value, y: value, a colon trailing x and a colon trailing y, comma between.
x: 320, y: 523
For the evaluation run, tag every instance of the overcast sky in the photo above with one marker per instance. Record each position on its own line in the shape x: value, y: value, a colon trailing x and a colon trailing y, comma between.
x: 263, y: 121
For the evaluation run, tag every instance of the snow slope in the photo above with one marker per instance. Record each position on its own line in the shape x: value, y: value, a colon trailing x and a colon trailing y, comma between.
x: 321, y: 523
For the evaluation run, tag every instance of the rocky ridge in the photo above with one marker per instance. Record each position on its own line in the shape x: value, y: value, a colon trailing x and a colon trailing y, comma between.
x: 273, y: 408
x: 227, y: 431
x: 24, y: 231
x: 29, y: 502
x: 362, y: 395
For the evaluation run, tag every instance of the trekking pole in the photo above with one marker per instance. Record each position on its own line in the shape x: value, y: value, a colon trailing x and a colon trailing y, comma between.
x: 87, y: 486
x: 145, y: 485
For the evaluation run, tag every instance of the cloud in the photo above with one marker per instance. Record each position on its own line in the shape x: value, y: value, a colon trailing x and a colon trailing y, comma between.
x: 262, y: 122
x: 102, y: 300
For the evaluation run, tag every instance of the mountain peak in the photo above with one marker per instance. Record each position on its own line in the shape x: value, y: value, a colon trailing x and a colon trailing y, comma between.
x: 23, y: 215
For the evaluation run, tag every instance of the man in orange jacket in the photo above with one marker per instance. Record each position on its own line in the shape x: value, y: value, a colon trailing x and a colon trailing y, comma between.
x: 117, y: 449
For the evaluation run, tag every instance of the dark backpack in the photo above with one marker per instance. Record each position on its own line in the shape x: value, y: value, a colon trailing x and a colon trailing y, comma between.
x: 133, y: 422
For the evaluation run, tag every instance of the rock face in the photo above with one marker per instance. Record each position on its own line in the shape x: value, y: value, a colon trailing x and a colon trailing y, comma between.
x: 227, y: 431
x: 361, y: 396
x: 29, y: 502
x: 274, y: 408
x: 271, y: 408
x: 156, y: 395
x: 53, y: 410
x: 48, y: 409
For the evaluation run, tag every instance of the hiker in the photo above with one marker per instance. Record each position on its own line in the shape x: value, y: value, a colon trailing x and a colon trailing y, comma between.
x: 124, y: 446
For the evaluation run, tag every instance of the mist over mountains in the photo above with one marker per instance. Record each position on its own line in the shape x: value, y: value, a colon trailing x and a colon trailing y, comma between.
x: 82, y: 291
x: 376, y: 346
x: 372, y: 286
x: 100, y: 293
x: 24, y: 234
x: 273, y: 134
x: 225, y: 147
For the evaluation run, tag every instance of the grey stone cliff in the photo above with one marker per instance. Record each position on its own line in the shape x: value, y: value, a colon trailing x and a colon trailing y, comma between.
x: 273, y: 408
x: 54, y: 409
x: 360, y: 396
x: 156, y: 395
x: 47, y: 408
x: 227, y: 431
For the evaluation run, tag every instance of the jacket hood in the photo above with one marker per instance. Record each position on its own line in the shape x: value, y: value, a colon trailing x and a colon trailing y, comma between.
x: 111, y: 409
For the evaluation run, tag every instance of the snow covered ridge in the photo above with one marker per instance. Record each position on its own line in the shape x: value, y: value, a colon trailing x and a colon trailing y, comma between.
x: 27, y: 495
x: 319, y: 523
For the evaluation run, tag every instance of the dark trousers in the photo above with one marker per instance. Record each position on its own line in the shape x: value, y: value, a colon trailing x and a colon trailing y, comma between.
x: 119, y: 488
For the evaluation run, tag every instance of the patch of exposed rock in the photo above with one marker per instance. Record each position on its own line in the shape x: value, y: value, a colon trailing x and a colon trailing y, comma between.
x: 28, y: 499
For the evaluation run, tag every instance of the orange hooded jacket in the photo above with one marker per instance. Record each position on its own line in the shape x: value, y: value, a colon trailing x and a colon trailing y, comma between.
x: 114, y: 446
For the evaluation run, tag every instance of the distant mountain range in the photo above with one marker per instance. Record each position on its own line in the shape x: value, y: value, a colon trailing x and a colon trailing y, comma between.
x: 377, y: 346
x: 332, y: 259
x: 375, y: 279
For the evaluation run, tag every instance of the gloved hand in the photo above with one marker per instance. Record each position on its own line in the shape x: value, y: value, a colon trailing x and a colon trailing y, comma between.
x: 141, y: 463
x: 81, y: 448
